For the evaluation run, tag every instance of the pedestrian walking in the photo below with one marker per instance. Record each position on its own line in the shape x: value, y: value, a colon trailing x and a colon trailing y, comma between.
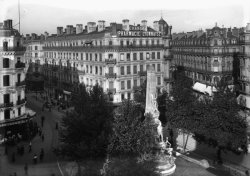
x: 42, y: 137
x: 26, y: 169
x: 35, y: 159
x: 30, y: 147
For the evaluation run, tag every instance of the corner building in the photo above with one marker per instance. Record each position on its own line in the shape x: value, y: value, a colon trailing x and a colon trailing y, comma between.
x: 12, y: 80
x: 115, y: 57
x: 207, y: 56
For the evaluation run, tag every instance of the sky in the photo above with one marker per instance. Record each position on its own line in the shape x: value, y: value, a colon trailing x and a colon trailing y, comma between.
x: 38, y: 16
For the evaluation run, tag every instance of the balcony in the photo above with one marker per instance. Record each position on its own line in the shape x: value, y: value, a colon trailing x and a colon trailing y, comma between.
x: 19, y: 102
x: 110, y: 75
x: 111, y: 90
x: 6, y: 105
x: 21, y: 83
x: 110, y: 61
x: 142, y: 73
x: 168, y: 80
x: 169, y: 57
x: 12, y: 49
x: 20, y: 65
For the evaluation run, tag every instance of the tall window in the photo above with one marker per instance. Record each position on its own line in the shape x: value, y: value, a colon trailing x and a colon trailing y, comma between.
x: 90, y: 56
x: 134, y: 56
x: 36, y: 48
x: 87, y: 56
x: 128, y: 70
x: 158, y: 55
x: 158, y: 67
x: 122, y: 85
x: 100, y: 71
x: 135, y: 82
x: 96, y: 57
x: 6, y: 98
x: 111, y: 84
x: 153, y: 55
x: 5, y: 46
x: 140, y: 42
x: 18, y: 77
x: 122, y: 57
x: 121, y: 42
x: 135, y: 69
x: 6, y: 62
x: 100, y: 57
x: 141, y: 68
x: 96, y: 70
x: 122, y: 70
x: 147, y: 56
x: 141, y: 56
x: 90, y: 69
x: 128, y: 56
x: 128, y: 84
x: 146, y: 42
x: 158, y: 80
x: 110, y: 43
x: 111, y: 70
x: 6, y: 80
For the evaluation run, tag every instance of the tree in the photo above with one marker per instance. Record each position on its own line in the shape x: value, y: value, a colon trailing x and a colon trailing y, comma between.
x: 222, y: 126
x: 132, y: 134
x: 140, y: 94
x: 85, y: 131
x: 181, y: 105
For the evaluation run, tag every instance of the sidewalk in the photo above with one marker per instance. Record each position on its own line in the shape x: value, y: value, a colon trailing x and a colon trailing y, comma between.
x: 208, y: 162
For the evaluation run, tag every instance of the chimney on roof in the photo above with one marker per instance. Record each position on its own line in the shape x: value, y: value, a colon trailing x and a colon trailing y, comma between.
x: 91, y: 26
x: 79, y: 28
x: 236, y: 32
x: 144, y: 25
x: 156, y: 25
x: 59, y: 31
x: 33, y: 36
x: 113, y: 27
x: 125, y: 24
x: 101, y: 25
x: 69, y: 29
x: 8, y: 24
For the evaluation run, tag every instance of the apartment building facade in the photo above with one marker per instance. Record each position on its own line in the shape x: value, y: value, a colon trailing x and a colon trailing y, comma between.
x: 12, y: 78
x: 116, y: 57
x: 207, y: 56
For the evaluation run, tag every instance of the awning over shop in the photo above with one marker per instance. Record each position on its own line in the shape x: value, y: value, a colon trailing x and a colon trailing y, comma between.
x: 244, y: 100
x: 19, y: 120
x: 66, y: 92
x: 203, y: 88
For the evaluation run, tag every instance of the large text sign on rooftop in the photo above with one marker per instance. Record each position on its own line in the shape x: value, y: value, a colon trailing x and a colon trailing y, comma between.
x: 138, y: 34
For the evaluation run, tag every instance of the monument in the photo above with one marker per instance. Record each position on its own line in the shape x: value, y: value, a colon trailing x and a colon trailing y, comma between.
x: 162, y: 149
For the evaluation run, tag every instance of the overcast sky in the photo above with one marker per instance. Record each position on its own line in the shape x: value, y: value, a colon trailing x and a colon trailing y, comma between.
x: 38, y: 16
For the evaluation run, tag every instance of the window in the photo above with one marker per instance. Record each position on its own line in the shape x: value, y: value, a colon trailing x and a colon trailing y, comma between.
x: 158, y: 55
x: 153, y: 42
x: 111, y: 70
x: 121, y: 42
x: 100, y: 57
x: 5, y: 46
x: 90, y: 69
x: 96, y: 70
x: 129, y: 96
x: 122, y: 70
x: 158, y: 42
x: 6, y: 80
x: 81, y: 56
x: 141, y: 81
x: 19, y: 111
x: 141, y: 56
x: 127, y: 42
x: 154, y: 66
x: 134, y: 56
x: 140, y: 42
x: 96, y: 57
x: 158, y: 67
x: 122, y: 96
x: 135, y: 69
x: 122, y: 85
x: 128, y: 84
x: 90, y: 56
x: 128, y: 70
x: 147, y: 67
x: 141, y: 68
x: 36, y: 48
x: 147, y: 56
x: 134, y: 42
x: 122, y: 57
x: 6, y: 98
x: 110, y: 56
x: 18, y: 77
x: 146, y: 42
x: 111, y: 84
x: 6, y: 62
x: 36, y: 54
x: 128, y: 56
x: 87, y: 56
x: 135, y: 82
x: 158, y: 80
x: 110, y: 43
x: 153, y: 55
x: 100, y: 70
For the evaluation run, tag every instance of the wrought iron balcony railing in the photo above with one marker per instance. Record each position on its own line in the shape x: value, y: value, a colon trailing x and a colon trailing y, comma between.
x: 19, y: 102
x: 142, y: 73
x: 6, y: 105
x: 110, y: 75
x: 20, y: 65
x: 110, y: 61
